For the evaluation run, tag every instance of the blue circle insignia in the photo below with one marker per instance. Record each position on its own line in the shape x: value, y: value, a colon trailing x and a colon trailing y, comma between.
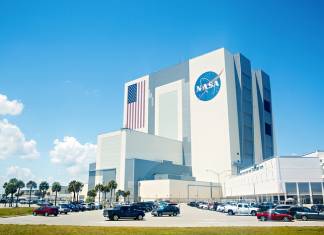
x: 207, y: 86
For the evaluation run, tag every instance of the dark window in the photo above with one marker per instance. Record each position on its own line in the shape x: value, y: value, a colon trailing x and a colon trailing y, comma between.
x: 268, y: 129
x: 267, y: 106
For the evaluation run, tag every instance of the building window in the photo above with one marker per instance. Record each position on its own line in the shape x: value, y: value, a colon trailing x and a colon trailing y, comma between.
x: 317, y: 199
x: 267, y: 106
x: 268, y: 129
x: 303, y: 188
x: 305, y: 199
x: 291, y: 188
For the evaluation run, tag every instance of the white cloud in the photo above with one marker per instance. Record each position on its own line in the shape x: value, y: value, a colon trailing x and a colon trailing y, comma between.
x: 8, y: 107
x: 24, y: 174
x: 73, y: 155
x: 14, y: 143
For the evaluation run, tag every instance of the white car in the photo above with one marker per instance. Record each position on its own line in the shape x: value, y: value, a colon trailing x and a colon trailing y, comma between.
x: 228, y: 206
x: 220, y: 208
x: 242, y: 209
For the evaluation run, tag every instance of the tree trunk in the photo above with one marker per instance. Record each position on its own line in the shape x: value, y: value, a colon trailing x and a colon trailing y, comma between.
x: 29, y: 197
x: 55, y: 197
x: 110, y: 197
x: 99, y: 197
x: 12, y: 197
x: 17, y: 197
x: 73, y: 195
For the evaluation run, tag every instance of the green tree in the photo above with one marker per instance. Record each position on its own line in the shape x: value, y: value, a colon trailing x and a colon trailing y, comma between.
x: 91, y: 195
x: 126, y: 195
x: 72, y: 188
x: 119, y: 193
x: 31, y: 185
x: 112, y: 186
x: 20, y: 185
x: 11, y: 189
x: 43, y: 187
x: 78, y: 188
x: 56, y: 187
x: 106, y: 190
x: 99, y: 189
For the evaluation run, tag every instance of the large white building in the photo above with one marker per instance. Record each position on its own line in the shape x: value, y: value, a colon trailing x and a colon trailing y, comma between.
x: 207, y: 119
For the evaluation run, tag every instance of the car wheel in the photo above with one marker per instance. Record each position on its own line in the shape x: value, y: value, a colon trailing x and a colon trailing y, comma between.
x: 253, y: 213
x: 34, y: 214
x: 46, y: 214
x: 304, y: 218
x: 286, y: 219
x: 140, y: 217
x: 230, y: 213
x: 55, y: 214
x: 262, y: 218
x: 175, y: 214
x: 159, y: 214
x: 115, y: 217
x: 66, y: 213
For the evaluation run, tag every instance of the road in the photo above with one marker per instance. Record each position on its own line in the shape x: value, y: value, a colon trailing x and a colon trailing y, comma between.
x: 190, y: 217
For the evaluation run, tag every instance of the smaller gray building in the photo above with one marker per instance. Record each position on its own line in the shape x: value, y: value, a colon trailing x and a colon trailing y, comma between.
x: 139, y: 169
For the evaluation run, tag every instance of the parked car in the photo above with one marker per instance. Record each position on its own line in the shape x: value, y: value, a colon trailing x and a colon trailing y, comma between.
x: 283, y: 207
x: 318, y: 207
x: 147, y: 207
x: 63, y: 209
x: 89, y: 206
x: 220, y: 208
x: 294, y: 209
x: 229, y: 205
x: 265, y: 206
x: 309, y: 214
x: 242, y: 209
x: 121, y: 212
x: 203, y: 205
x: 73, y: 208
x: 192, y: 204
x: 46, y: 211
x: 169, y: 210
x: 274, y: 215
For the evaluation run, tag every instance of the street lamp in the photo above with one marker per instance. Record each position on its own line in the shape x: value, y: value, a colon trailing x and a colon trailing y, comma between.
x: 218, y: 176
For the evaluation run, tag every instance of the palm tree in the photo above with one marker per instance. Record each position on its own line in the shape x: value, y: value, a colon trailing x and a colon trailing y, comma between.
x: 20, y: 185
x: 126, y: 195
x: 99, y: 189
x: 106, y: 190
x: 112, y: 186
x: 43, y: 187
x: 119, y: 193
x: 92, y: 194
x: 31, y: 184
x: 78, y: 188
x: 11, y: 188
x: 56, y: 187
x: 72, y: 188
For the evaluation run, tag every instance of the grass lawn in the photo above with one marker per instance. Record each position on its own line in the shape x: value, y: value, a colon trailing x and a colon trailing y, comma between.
x: 80, y: 230
x: 15, y: 211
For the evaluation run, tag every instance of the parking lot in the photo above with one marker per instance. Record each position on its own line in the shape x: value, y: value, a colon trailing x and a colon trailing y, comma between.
x: 189, y: 217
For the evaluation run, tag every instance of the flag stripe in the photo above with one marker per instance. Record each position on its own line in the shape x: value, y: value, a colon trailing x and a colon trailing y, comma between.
x: 135, y: 110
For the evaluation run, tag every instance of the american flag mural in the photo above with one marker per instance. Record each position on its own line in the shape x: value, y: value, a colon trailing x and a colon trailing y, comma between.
x: 135, y: 111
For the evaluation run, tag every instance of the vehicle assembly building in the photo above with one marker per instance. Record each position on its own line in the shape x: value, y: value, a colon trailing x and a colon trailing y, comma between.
x: 194, y: 131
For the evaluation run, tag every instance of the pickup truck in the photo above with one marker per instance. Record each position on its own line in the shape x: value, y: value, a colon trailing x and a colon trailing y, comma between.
x: 120, y: 212
x: 242, y: 209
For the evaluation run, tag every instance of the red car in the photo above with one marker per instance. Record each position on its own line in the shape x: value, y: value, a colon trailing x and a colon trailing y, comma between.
x: 274, y: 215
x: 46, y: 210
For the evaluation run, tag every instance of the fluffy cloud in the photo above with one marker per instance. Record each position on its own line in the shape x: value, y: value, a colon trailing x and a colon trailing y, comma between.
x: 24, y: 174
x: 8, y: 107
x: 73, y: 155
x: 14, y: 143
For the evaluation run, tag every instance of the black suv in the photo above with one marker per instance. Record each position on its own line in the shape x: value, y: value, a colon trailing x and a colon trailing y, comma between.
x: 144, y: 206
x: 294, y: 209
x: 120, y: 212
x: 318, y: 207
x: 169, y: 210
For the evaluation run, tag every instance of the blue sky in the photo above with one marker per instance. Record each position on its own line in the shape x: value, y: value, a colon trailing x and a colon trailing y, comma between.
x: 67, y: 61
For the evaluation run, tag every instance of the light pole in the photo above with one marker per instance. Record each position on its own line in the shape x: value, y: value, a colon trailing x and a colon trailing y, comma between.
x: 218, y: 176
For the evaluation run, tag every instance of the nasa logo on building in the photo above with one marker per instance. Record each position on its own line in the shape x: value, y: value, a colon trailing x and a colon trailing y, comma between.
x: 207, y: 85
